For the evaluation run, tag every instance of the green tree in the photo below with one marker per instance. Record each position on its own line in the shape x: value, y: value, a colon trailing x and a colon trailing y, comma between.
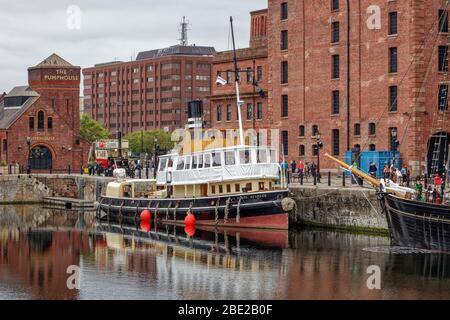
x: 148, y: 138
x: 91, y: 130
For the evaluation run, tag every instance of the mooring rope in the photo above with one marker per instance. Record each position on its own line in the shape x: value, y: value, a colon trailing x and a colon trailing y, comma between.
x: 238, y: 213
x: 227, y: 210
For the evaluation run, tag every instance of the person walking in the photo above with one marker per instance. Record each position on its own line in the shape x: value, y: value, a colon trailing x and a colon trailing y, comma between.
x: 386, y: 172
x: 293, y: 166
x: 301, y: 168
x: 373, y: 170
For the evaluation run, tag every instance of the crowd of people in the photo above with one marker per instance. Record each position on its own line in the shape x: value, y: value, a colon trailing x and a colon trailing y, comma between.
x: 305, y: 169
x: 134, y: 168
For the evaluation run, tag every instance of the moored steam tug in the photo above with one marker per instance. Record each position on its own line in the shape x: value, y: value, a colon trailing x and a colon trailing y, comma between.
x: 238, y: 185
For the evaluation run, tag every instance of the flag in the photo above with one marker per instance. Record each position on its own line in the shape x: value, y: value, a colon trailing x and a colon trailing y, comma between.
x: 221, y: 81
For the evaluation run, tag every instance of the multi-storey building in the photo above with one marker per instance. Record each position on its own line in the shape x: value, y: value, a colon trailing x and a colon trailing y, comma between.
x: 365, y: 74
x: 252, y: 62
x: 150, y: 92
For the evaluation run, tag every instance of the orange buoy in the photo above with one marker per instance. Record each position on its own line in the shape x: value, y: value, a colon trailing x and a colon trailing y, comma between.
x: 189, y: 220
x: 146, y: 215
x: 190, y: 230
x: 146, y: 226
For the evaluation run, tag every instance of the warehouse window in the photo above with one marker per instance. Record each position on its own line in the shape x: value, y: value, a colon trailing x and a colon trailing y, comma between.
x: 285, y: 142
x: 301, y: 131
x: 284, y: 105
x: 443, y: 97
x: 443, y: 20
x: 284, y: 10
x: 335, y: 67
x: 335, y: 102
x: 357, y: 129
x: 393, y: 23
x: 284, y: 40
x: 284, y: 72
x: 301, y: 150
x: 31, y: 123
x: 443, y: 58
x: 219, y: 113
x: 335, y: 32
x: 372, y: 129
x: 393, y: 98
x: 334, y: 5
x: 393, y: 60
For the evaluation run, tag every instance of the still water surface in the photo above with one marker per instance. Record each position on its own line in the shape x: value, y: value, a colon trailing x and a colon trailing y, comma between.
x: 37, y: 246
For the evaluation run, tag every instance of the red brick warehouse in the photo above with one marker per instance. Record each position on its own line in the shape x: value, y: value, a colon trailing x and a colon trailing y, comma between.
x: 396, y: 53
x: 252, y: 61
x: 40, y: 122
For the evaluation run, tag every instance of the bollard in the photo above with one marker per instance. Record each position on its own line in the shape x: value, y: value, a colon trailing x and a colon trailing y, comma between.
x: 343, y: 179
x: 315, y: 179
x: 329, y: 178
x: 139, y: 172
x: 51, y: 170
x: 68, y: 169
x: 301, y: 178
x: 288, y: 177
x: 81, y: 170
x: 146, y: 172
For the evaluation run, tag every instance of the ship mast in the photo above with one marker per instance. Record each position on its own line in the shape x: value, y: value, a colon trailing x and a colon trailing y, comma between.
x: 236, y: 78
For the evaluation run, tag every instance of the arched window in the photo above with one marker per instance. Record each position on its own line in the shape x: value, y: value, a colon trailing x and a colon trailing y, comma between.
x: 314, y: 130
x: 49, y: 123
x: 301, y: 131
x: 372, y: 147
x: 357, y: 130
x: 41, y: 120
x: 372, y: 129
x: 301, y: 150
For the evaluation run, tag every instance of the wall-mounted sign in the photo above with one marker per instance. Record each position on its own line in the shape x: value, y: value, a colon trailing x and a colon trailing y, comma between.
x: 61, y: 75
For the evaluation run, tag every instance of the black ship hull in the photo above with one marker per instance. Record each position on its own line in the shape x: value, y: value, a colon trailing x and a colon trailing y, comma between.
x: 251, y: 210
x: 416, y: 224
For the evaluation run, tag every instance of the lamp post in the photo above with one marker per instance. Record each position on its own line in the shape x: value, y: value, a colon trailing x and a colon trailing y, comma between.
x: 29, y: 155
x: 319, y: 145
x: 394, y: 144
x: 155, y: 152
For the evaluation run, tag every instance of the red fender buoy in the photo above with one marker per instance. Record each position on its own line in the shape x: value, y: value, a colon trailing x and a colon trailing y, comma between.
x: 190, y: 230
x: 146, y: 215
x: 189, y: 220
x: 146, y: 226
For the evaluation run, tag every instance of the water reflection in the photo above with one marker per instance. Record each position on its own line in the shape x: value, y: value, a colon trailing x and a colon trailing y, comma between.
x: 166, y: 262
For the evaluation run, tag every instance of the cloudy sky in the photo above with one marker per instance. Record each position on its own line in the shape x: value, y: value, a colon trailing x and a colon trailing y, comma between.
x: 109, y: 29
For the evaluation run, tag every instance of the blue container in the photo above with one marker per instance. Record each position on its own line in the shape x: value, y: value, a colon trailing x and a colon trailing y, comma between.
x: 378, y: 157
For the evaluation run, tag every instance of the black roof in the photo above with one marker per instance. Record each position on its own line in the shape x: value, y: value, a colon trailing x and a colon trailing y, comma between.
x: 177, y: 50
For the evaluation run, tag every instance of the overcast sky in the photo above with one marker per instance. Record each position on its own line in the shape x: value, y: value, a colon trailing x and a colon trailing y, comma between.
x: 110, y: 30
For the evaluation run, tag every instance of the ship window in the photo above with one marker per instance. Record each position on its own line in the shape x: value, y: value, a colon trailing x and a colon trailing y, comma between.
x: 261, y: 186
x: 207, y: 160
x: 237, y: 187
x: 162, y: 164
x: 273, y: 156
x: 270, y: 185
x: 230, y: 158
x: 220, y: 189
x: 244, y: 156
x: 217, y: 161
x: 194, y: 162
x: 180, y: 165
x: 262, y: 156
x: 228, y: 188
x: 248, y: 187
x: 213, y: 189
x: 200, y: 161
x: 187, y: 166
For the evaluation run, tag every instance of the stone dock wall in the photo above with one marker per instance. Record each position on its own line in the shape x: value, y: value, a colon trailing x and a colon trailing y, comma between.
x: 343, y: 208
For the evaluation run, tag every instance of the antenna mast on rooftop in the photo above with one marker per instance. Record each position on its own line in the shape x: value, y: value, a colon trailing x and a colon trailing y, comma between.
x: 184, y: 29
